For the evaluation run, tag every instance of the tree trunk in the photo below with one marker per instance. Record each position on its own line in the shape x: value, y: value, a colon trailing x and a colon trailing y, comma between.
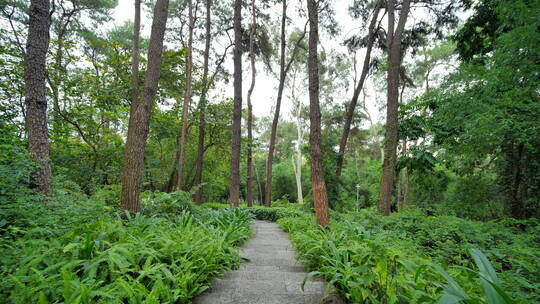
x: 402, y: 193
x: 135, y: 58
x: 407, y: 195
x: 187, y: 100
x: 365, y: 69
x: 140, y: 122
x: 202, y: 107
x: 391, y: 135
x: 249, y: 179
x: 35, y: 99
x: 173, y: 176
x: 259, y: 192
x: 234, y: 189
x: 298, y: 166
x: 320, y: 198
x: 271, y: 147
x: 398, y: 190
x: 283, y: 70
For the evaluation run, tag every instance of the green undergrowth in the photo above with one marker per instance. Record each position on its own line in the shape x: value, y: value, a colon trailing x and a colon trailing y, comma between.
x: 82, y: 252
x: 412, y: 258
x: 272, y: 214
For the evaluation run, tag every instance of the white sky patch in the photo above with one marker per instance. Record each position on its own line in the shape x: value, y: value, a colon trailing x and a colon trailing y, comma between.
x: 265, y: 92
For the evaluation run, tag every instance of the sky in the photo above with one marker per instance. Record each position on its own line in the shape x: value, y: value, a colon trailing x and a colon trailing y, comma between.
x: 265, y: 92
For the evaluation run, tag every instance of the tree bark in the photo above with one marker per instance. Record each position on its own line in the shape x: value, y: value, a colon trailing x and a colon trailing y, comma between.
x: 234, y: 189
x: 187, y: 100
x: 271, y: 147
x: 249, y: 178
x: 140, y: 122
x: 320, y: 198
x: 391, y: 135
x: 365, y: 69
x: 202, y: 107
x: 283, y: 69
x: 135, y: 58
x: 37, y: 45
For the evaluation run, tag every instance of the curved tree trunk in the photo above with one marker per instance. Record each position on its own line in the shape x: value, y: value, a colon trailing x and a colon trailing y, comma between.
x: 187, y: 100
x: 37, y: 45
x: 391, y: 135
x: 140, y: 122
x: 283, y: 70
x: 365, y: 69
x: 234, y: 189
x: 249, y: 179
x: 202, y: 107
x: 320, y: 198
x: 272, y: 146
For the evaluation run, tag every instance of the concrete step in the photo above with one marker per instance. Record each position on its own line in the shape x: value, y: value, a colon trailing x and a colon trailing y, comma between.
x: 267, y: 247
x: 268, y: 242
x: 273, y: 261
x: 272, y: 274
x: 283, y: 286
x: 272, y: 235
x: 257, y: 298
x: 256, y: 274
x: 263, y: 268
x: 255, y: 253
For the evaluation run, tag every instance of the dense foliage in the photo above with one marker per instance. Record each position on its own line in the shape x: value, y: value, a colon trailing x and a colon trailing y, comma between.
x: 465, y: 201
x: 398, y: 259
x: 75, y: 250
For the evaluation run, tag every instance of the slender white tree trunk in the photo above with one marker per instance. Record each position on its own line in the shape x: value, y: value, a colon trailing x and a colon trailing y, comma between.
x: 297, y: 166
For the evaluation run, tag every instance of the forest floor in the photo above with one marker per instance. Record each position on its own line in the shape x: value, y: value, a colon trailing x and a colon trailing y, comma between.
x: 271, y: 274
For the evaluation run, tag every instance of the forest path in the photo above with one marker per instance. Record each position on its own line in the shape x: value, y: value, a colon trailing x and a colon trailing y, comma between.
x: 272, y: 274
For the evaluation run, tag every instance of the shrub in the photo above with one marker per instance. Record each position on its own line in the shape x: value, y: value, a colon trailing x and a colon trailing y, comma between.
x: 108, y: 194
x: 214, y: 205
x: 353, y: 249
x: 274, y: 213
x: 107, y: 260
x: 165, y: 204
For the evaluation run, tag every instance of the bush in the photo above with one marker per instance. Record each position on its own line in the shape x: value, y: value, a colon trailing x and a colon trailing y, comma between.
x: 107, y: 260
x: 165, y: 204
x: 214, y: 205
x: 377, y: 259
x: 274, y: 213
x: 108, y: 194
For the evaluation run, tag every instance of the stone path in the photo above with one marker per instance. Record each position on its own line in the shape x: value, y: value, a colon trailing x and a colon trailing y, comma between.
x: 272, y: 275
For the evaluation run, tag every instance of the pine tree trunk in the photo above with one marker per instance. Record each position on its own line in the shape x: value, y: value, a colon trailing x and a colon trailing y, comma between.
x: 37, y: 45
x: 140, y: 122
x: 202, y: 107
x: 391, y: 135
x: 249, y: 178
x: 284, y: 69
x: 234, y: 189
x: 187, y: 100
x: 135, y: 59
x: 365, y: 69
x: 320, y: 198
x: 271, y: 147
